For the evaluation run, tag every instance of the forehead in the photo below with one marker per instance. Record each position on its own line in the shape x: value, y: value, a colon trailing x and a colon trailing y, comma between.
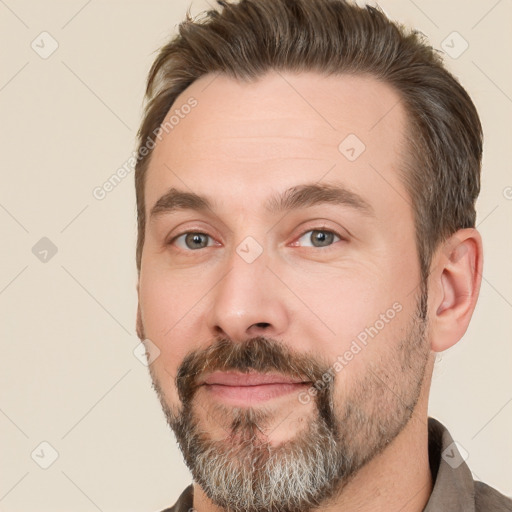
x: 247, y: 140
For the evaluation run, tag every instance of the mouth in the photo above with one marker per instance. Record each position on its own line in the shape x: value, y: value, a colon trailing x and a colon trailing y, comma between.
x: 241, y: 389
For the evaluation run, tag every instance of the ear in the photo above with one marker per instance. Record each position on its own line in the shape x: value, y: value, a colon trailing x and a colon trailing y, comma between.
x: 454, y: 285
x: 138, y: 323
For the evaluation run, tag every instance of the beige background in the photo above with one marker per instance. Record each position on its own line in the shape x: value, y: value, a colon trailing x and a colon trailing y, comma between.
x: 68, y: 375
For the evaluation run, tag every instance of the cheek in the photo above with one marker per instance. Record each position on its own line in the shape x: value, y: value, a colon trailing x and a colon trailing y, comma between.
x: 362, y: 315
x: 156, y: 302
x: 344, y: 300
x: 166, y: 297
x: 167, y: 310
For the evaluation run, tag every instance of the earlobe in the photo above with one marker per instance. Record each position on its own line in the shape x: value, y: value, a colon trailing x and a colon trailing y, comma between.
x: 456, y: 287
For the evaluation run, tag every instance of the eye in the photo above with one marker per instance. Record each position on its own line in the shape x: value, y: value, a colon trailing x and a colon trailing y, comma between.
x: 192, y: 240
x: 318, y: 238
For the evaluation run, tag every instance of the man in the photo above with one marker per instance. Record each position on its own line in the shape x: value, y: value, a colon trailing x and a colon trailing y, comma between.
x: 306, y: 191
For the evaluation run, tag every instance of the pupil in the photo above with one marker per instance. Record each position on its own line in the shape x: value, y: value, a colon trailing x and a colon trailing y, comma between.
x: 323, y: 238
x: 196, y: 239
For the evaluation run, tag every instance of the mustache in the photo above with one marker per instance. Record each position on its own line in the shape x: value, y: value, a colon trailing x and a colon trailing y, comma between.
x: 260, y: 354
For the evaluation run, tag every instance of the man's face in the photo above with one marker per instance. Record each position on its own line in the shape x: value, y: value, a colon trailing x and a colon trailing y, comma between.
x: 290, y: 324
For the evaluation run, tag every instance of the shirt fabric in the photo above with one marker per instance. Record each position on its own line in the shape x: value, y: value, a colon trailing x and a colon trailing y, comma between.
x: 454, y: 489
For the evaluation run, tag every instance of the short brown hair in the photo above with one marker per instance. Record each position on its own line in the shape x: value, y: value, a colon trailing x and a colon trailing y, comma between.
x: 246, y: 39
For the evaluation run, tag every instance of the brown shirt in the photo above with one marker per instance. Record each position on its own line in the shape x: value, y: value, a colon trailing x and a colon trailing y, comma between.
x: 454, y: 488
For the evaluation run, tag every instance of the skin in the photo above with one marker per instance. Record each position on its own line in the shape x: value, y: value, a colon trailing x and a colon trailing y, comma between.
x: 240, y: 145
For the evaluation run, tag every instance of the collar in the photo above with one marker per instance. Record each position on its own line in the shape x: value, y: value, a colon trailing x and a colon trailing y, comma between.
x: 453, y: 488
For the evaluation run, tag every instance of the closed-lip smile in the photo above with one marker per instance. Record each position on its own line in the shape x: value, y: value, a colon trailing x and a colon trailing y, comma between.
x: 238, y: 388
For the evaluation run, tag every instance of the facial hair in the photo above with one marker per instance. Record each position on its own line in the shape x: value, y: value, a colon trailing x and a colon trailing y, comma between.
x: 244, y: 472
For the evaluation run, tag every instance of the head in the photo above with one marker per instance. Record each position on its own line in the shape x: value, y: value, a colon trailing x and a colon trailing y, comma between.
x: 306, y: 189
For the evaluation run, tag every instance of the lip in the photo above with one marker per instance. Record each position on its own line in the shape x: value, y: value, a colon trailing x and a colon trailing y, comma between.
x: 248, y: 379
x: 242, y: 389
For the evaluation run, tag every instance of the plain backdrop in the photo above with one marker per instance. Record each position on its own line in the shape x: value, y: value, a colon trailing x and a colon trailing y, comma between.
x: 69, y: 377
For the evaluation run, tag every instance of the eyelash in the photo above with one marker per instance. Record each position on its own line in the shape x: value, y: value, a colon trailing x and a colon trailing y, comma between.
x: 319, y: 228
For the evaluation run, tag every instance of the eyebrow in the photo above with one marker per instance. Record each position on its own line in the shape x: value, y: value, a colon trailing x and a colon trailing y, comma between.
x: 294, y: 198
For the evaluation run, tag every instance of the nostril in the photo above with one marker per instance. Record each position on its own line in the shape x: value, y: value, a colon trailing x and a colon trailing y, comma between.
x: 262, y: 324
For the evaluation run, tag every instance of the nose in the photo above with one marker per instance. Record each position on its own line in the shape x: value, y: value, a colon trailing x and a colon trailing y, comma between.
x: 248, y: 301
